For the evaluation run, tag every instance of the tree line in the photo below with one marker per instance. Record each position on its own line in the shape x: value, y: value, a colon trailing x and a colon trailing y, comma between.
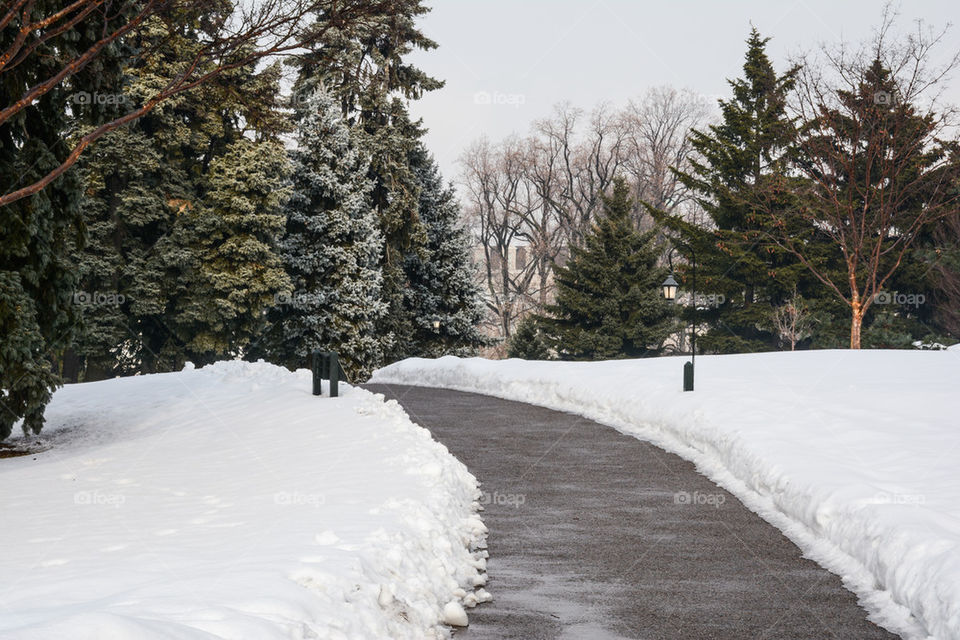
x: 819, y: 207
x: 167, y: 200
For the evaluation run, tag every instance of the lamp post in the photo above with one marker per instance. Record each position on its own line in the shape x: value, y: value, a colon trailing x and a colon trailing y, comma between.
x: 669, y: 288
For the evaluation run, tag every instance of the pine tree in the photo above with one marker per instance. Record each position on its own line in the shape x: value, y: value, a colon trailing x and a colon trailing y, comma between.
x: 608, y: 302
x: 441, y: 287
x: 735, y: 155
x: 331, y: 248
x: 125, y: 210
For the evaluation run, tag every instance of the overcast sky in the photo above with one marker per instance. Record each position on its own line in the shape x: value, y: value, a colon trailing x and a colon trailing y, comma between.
x: 523, y: 56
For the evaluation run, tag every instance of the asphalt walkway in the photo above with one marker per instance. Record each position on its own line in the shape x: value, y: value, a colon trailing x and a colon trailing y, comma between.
x: 596, y: 535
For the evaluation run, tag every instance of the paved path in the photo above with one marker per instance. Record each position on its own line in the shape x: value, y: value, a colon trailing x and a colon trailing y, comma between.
x: 595, y: 535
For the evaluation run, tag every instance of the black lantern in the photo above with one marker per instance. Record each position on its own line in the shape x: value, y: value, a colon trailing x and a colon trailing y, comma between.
x: 669, y: 288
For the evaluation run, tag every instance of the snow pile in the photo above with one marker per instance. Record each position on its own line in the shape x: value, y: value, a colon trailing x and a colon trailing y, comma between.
x: 227, y: 502
x: 855, y: 455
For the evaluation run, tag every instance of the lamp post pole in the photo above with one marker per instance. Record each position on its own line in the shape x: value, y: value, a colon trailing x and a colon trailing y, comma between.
x: 688, y: 373
x: 670, y: 288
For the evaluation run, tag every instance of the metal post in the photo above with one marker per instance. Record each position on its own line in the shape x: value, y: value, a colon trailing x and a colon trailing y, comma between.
x: 693, y: 338
x: 334, y: 363
x: 688, y: 368
x: 315, y: 364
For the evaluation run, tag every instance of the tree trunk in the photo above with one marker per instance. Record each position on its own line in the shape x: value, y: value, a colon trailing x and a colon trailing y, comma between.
x: 70, y: 366
x: 855, y: 323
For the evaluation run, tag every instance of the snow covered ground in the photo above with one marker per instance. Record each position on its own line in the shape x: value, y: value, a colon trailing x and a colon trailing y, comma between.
x: 855, y: 455
x: 227, y: 502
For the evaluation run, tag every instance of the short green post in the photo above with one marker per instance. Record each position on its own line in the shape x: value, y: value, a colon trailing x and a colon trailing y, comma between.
x: 688, y: 376
x: 334, y: 364
x: 315, y: 366
x: 326, y: 364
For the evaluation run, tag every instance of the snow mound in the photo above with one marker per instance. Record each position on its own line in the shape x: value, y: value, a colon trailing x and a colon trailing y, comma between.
x: 852, y: 454
x: 228, y: 502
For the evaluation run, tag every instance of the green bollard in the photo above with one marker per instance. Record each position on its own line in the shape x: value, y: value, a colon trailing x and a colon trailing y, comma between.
x: 315, y: 365
x: 688, y: 376
x: 326, y: 364
x: 334, y: 363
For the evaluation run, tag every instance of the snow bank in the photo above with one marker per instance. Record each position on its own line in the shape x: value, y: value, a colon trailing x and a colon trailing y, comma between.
x: 852, y: 454
x: 227, y: 502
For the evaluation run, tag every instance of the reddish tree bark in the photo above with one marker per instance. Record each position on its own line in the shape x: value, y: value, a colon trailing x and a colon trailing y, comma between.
x: 267, y: 28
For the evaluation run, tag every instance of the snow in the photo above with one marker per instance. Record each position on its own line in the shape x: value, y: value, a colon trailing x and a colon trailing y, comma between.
x: 454, y: 615
x: 852, y: 454
x: 228, y: 502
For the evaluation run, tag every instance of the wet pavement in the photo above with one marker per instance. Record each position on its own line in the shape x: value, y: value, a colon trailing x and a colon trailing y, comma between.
x: 598, y: 535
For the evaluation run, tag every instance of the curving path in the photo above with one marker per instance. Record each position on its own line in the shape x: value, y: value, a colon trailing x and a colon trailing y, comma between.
x: 597, y: 535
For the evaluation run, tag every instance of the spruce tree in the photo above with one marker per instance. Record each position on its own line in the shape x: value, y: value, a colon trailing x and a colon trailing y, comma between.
x: 528, y: 341
x: 734, y: 157
x: 38, y: 317
x: 125, y: 210
x: 150, y: 187
x: 608, y: 302
x: 364, y: 68
x: 441, y: 287
x: 331, y: 249
x: 234, y: 271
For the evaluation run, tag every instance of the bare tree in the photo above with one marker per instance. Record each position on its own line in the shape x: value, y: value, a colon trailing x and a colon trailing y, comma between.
x: 872, y: 167
x: 252, y: 32
x: 538, y: 195
x: 584, y: 165
x: 498, y: 199
x: 542, y: 225
x: 792, y: 320
x: 657, y: 144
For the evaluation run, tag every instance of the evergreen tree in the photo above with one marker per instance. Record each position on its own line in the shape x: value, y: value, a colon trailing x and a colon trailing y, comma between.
x: 440, y: 285
x: 528, y: 341
x: 157, y: 194
x: 875, y: 172
x: 37, y: 281
x: 126, y: 213
x: 608, y: 302
x: 233, y: 272
x: 331, y: 248
x: 734, y: 157
x: 364, y: 68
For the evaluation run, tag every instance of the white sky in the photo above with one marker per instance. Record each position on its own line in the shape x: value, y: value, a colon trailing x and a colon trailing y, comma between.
x: 530, y: 54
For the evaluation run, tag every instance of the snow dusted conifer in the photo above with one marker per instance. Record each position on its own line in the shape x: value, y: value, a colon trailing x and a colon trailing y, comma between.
x: 441, y: 285
x: 233, y: 270
x: 331, y: 249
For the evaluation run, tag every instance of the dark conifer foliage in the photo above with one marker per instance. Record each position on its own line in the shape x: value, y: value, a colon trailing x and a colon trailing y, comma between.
x: 608, y: 294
